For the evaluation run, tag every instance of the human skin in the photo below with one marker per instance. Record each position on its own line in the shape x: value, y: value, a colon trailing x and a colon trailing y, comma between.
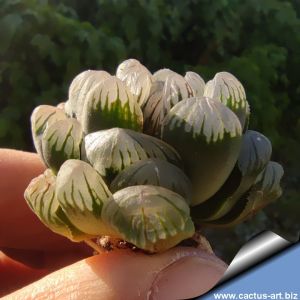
x: 36, y: 263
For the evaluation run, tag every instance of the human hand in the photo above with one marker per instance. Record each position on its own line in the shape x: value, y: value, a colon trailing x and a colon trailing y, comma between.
x: 39, y: 264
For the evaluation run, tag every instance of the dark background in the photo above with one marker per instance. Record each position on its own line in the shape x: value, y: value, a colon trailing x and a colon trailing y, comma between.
x: 44, y: 44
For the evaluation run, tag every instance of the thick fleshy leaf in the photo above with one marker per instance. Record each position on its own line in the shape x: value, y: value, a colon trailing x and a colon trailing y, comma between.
x: 152, y: 110
x: 253, y: 158
x: 82, y: 195
x: 266, y: 189
x: 196, y: 82
x: 162, y: 98
x: 255, y: 153
x: 154, y: 172
x: 152, y: 218
x: 226, y: 88
x: 42, y: 117
x: 111, y: 104
x: 81, y: 85
x: 40, y: 196
x: 162, y: 74
x: 268, y: 181
x: 176, y: 88
x: 207, y: 135
x: 61, y: 105
x: 137, y: 77
x: 62, y: 141
x: 110, y: 151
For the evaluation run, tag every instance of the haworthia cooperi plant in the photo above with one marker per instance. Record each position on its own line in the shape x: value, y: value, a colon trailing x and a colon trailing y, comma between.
x: 143, y: 158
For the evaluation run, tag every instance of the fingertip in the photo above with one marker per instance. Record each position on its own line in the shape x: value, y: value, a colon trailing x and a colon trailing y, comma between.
x: 15, y: 159
x: 17, y: 169
x: 19, y: 226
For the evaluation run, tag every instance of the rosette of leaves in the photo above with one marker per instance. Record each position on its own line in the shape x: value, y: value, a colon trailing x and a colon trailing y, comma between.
x: 142, y: 158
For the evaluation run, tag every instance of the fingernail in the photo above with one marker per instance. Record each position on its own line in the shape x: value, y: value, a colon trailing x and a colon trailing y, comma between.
x: 186, y: 278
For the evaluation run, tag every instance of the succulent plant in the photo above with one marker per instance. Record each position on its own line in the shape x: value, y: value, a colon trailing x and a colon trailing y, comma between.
x: 144, y: 158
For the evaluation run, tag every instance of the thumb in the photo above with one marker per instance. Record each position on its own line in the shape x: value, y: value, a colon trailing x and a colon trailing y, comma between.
x: 180, y: 273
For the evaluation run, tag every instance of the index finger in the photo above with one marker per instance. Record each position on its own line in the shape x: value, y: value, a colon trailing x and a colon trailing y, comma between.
x: 19, y: 226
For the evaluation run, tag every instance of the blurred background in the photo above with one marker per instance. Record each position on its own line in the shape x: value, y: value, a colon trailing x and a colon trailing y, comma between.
x: 44, y: 44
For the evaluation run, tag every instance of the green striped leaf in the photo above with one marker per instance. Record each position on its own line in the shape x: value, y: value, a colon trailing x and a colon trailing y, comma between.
x: 40, y: 196
x: 162, y: 74
x: 111, y: 104
x: 268, y: 182
x: 163, y: 96
x: 153, y: 110
x: 110, y: 151
x: 154, y: 172
x: 196, y: 82
x: 226, y: 88
x: 62, y: 141
x: 137, y: 77
x: 41, y: 118
x: 265, y: 190
x: 253, y: 158
x: 207, y: 135
x: 255, y: 153
x: 81, y: 85
x: 82, y: 194
x: 150, y: 217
